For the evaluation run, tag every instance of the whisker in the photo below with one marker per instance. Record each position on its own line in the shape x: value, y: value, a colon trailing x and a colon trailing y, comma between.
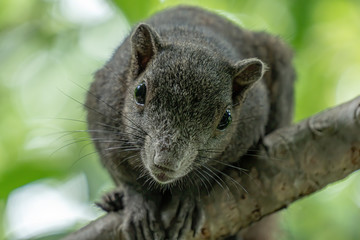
x: 106, y: 140
x: 232, y: 179
x: 71, y: 119
x: 230, y: 165
x: 250, y: 153
x: 242, y: 170
x: 90, y: 108
x: 123, y: 148
x: 126, y: 159
x: 82, y: 157
x: 67, y: 145
x: 116, y: 133
x: 205, y: 157
x: 112, y: 108
x: 197, y: 173
x: 220, y: 179
x: 263, y: 157
x: 143, y: 174
x: 214, y: 177
x: 91, y: 140
x: 117, y: 129
x: 210, y: 151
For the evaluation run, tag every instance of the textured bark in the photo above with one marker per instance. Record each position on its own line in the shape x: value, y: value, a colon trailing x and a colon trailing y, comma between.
x: 293, y: 162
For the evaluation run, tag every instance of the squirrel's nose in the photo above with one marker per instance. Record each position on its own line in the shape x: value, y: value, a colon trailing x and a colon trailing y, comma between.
x: 166, y: 162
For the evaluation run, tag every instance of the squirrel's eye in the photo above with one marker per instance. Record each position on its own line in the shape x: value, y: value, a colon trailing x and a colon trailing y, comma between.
x: 140, y: 94
x: 225, y: 120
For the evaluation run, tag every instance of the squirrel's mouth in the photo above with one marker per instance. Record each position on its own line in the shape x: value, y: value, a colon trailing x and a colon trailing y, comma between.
x: 162, y: 178
x: 162, y: 175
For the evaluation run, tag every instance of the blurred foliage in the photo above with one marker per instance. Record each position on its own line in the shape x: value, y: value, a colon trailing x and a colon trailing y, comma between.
x: 47, y: 58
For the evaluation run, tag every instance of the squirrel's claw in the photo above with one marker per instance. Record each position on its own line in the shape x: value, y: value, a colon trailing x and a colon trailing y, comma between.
x: 112, y: 201
x: 140, y: 220
x: 189, y: 216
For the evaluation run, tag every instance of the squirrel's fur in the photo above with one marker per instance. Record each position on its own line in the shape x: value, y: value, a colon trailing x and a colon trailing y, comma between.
x: 196, y: 65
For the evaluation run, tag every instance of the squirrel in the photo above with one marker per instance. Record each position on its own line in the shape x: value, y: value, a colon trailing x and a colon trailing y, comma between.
x: 183, y: 97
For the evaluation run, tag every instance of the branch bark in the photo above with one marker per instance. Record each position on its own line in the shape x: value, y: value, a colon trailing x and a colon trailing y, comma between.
x: 294, y: 162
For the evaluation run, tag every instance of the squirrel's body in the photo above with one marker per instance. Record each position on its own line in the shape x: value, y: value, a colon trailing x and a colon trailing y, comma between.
x: 193, y: 72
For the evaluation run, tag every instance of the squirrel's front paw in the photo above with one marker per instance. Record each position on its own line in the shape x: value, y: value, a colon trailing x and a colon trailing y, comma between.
x: 112, y: 201
x: 182, y: 215
x: 141, y: 219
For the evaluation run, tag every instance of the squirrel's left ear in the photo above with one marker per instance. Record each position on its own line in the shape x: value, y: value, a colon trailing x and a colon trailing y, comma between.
x: 247, y: 72
x: 145, y: 43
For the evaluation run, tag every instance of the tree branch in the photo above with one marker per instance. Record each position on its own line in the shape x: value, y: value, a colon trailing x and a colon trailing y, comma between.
x: 293, y: 162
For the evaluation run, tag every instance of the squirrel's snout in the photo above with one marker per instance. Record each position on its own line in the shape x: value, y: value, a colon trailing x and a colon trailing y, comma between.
x: 165, y: 161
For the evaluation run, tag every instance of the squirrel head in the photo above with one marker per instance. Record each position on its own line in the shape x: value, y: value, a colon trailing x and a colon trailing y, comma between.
x: 183, y: 95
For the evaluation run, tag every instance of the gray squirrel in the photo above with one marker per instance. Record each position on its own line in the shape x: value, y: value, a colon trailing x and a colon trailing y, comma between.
x: 185, y: 95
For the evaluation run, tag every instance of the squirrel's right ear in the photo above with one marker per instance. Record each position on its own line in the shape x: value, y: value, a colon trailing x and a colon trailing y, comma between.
x: 247, y: 72
x: 145, y: 43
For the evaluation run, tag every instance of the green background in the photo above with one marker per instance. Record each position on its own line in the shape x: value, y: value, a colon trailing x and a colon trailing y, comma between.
x: 49, y: 50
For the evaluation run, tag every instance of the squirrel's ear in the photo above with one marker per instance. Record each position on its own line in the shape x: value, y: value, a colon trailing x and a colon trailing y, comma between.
x: 145, y: 43
x: 247, y: 72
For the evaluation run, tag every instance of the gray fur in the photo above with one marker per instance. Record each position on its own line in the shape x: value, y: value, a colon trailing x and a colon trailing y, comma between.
x: 195, y: 65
